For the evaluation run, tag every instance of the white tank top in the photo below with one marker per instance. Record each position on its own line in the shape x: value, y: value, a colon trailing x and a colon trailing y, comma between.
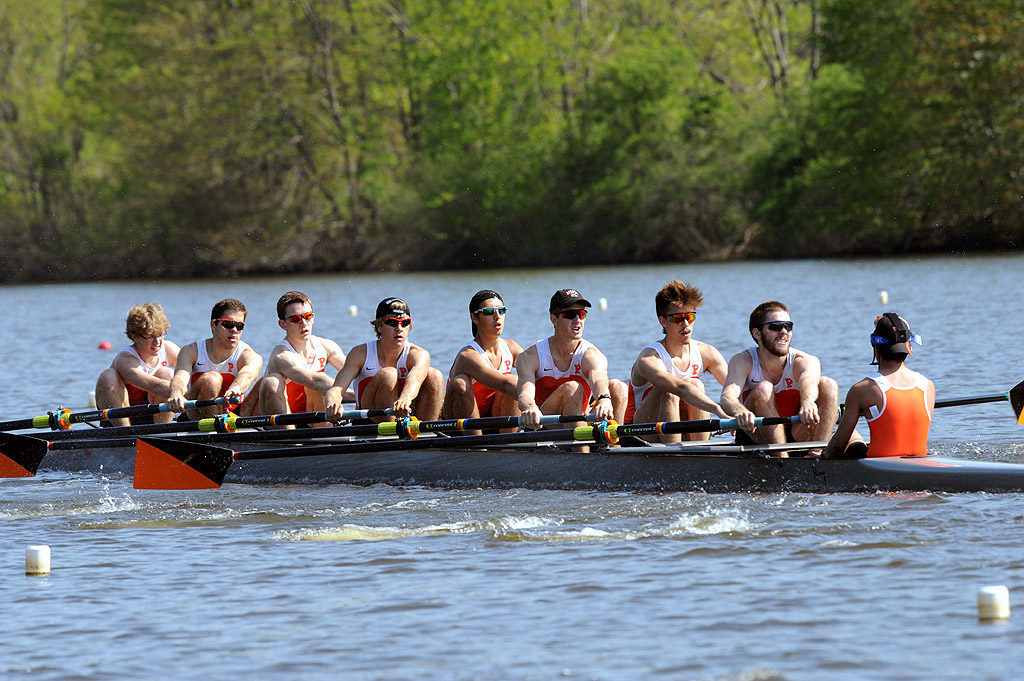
x: 228, y: 367
x: 317, y: 363
x: 694, y: 370
x: 161, y: 359
x: 506, y: 366
x: 372, y: 365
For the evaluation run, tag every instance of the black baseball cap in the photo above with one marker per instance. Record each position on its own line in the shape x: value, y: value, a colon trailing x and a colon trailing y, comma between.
x: 395, y: 307
x: 565, y: 298
x: 892, y: 334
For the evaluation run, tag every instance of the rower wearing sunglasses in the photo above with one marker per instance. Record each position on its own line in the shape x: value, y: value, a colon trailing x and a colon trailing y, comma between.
x: 482, y: 380
x: 222, y: 365
x: 296, y: 380
x: 665, y: 382
x: 565, y: 374
x: 774, y: 379
x: 389, y: 372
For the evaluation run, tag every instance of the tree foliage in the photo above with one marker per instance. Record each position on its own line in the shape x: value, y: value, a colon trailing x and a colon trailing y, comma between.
x: 196, y: 137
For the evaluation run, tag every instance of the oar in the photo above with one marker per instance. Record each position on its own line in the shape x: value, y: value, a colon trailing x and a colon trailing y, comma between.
x: 225, y: 432
x: 1015, y: 396
x: 176, y: 464
x: 62, y: 419
x: 20, y: 455
x: 225, y: 423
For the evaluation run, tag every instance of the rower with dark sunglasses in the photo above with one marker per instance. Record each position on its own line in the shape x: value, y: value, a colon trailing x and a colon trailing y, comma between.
x: 774, y: 379
x: 390, y: 372
x: 482, y: 380
x: 296, y: 380
x: 665, y: 381
x: 220, y: 366
x: 565, y: 374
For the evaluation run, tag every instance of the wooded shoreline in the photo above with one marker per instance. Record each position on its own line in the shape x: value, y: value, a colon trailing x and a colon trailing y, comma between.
x: 174, y: 138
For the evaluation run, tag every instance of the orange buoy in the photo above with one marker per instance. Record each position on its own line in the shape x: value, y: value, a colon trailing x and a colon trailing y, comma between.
x: 106, y: 345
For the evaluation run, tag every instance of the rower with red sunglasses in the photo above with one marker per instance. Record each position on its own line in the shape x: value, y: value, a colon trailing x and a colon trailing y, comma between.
x: 665, y: 382
x: 390, y: 372
x: 565, y: 374
x: 220, y: 366
x: 774, y: 379
x: 296, y: 380
x: 482, y: 380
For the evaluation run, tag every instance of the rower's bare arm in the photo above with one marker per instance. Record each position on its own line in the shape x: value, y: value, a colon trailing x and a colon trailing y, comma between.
x: 714, y: 362
x: 476, y: 366
x: 526, y: 367
x: 848, y: 423
x: 292, y: 367
x: 336, y: 395
x: 335, y: 355
x: 595, y: 370
x: 738, y: 370
x: 418, y: 364
x: 171, y: 350
x: 179, y: 384
x: 652, y: 370
x: 131, y: 373
x: 249, y: 365
x: 807, y: 372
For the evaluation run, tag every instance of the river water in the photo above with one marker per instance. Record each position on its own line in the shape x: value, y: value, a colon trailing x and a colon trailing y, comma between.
x: 335, y: 581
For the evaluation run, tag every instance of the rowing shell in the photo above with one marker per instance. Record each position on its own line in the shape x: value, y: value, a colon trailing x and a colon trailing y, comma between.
x: 686, y: 467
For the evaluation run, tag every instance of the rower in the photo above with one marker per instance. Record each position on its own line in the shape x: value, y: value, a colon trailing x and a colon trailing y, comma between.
x: 141, y: 373
x: 390, y: 372
x: 772, y: 378
x: 565, y: 374
x: 220, y: 366
x: 897, y: 403
x: 665, y: 382
x: 482, y: 380
x: 296, y: 380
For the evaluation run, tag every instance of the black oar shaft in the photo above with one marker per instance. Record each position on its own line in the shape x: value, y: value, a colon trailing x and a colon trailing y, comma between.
x: 981, y: 399
x: 58, y: 420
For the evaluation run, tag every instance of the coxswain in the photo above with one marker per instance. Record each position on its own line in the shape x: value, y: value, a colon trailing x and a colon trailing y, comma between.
x: 896, y: 402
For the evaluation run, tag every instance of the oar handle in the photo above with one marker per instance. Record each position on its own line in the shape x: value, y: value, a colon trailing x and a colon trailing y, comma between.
x: 62, y: 419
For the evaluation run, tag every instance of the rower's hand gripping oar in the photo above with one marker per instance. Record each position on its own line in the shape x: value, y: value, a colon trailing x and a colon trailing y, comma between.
x: 62, y: 419
x: 174, y: 464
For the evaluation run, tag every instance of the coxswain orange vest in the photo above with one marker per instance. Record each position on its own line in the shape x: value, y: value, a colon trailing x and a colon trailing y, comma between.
x: 900, y: 427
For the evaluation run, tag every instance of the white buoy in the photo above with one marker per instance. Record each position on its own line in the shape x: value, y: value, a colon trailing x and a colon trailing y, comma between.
x: 92, y: 399
x: 993, y: 603
x: 883, y: 297
x: 353, y: 310
x: 37, y: 560
x: 602, y: 304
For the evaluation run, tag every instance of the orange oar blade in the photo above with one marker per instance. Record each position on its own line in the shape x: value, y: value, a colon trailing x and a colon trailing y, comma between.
x: 170, y: 464
x: 20, y: 455
x: 1016, y: 396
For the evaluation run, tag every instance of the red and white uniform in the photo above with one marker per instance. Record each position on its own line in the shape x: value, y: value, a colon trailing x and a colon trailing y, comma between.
x: 549, y: 376
x: 228, y: 369
x: 372, y: 365
x: 137, y: 395
x: 900, y: 427
x: 484, y: 395
x: 317, y: 363
x: 694, y: 369
x: 787, y: 394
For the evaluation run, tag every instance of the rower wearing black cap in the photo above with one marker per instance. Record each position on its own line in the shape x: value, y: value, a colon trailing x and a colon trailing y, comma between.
x: 896, y: 402
x: 564, y: 373
x: 390, y: 372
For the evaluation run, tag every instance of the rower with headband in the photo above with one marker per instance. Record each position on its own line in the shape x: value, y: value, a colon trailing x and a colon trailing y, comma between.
x: 897, y: 403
